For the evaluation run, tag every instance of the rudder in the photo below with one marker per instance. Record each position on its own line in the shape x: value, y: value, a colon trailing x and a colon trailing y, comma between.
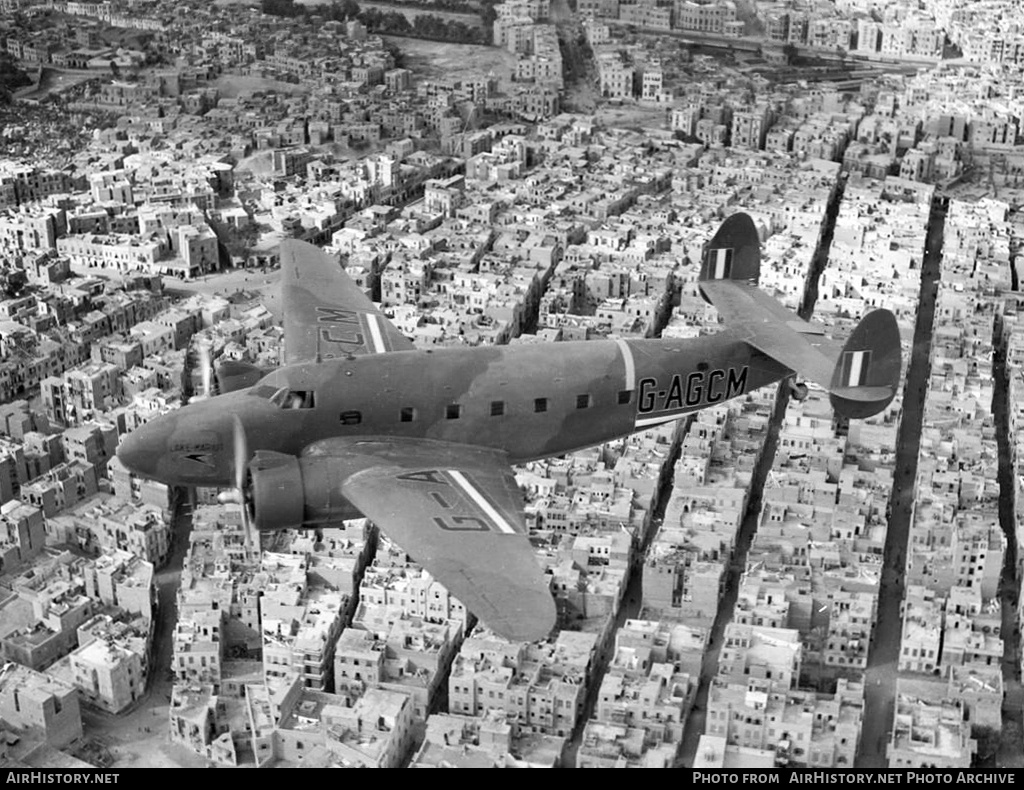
x: 867, y: 372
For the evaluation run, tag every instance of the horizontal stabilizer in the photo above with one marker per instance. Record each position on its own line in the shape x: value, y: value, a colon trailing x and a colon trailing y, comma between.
x: 863, y: 394
x: 867, y: 372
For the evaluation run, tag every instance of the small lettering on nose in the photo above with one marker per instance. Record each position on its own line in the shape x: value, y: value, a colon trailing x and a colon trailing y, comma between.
x: 196, y: 447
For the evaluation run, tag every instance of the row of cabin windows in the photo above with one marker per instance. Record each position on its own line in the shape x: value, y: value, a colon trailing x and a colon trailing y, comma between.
x: 453, y: 411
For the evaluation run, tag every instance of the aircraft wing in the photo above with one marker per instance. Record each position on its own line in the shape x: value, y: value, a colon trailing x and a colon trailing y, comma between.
x: 772, y: 329
x: 456, y: 509
x: 325, y: 312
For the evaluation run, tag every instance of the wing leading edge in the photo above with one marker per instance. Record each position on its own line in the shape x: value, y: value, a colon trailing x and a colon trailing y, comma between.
x: 325, y: 312
x: 457, y: 510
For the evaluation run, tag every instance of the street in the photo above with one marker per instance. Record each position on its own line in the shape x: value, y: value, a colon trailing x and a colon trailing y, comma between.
x: 139, y: 738
x: 883, y: 655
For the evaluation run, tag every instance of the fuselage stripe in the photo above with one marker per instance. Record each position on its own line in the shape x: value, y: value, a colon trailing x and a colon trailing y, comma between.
x: 627, y: 358
x: 646, y: 422
x: 376, y: 338
x: 478, y: 499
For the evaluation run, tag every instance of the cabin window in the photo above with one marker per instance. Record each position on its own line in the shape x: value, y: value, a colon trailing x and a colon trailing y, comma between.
x: 497, y: 408
x: 625, y: 396
x: 583, y: 401
x: 453, y: 411
x: 408, y: 414
x: 540, y: 404
x: 351, y: 417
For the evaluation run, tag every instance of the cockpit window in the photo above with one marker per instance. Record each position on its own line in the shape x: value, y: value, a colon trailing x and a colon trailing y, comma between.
x: 286, y: 398
x: 264, y: 391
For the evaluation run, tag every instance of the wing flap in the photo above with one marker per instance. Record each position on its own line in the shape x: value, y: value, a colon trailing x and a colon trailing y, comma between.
x: 325, y: 312
x: 457, y: 511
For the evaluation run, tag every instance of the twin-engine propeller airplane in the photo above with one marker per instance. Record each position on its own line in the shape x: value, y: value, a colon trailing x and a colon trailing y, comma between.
x: 358, y: 422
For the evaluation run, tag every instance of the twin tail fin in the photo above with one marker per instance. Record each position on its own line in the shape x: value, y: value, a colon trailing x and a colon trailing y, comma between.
x: 867, y: 372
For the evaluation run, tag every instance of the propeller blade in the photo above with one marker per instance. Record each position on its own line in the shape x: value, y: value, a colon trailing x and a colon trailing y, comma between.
x: 241, y: 458
x: 241, y: 462
x: 247, y: 527
x: 207, y: 368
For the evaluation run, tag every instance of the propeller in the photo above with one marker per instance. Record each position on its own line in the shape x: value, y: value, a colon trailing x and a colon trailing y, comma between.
x: 240, y: 464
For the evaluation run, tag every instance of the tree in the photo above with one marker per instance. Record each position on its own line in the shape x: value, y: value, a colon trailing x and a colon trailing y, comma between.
x: 488, y: 15
x: 372, y: 17
x: 13, y: 282
x: 237, y: 243
x: 396, y: 21
x: 286, y: 8
x: 343, y: 9
x: 988, y: 745
x: 12, y: 76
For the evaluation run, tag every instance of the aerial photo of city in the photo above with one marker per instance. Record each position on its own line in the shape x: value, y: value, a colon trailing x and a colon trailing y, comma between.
x: 719, y: 566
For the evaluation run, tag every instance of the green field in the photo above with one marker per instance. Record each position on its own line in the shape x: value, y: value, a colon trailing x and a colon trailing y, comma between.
x: 441, y: 60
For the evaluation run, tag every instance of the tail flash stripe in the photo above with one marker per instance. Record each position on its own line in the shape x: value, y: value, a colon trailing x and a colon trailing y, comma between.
x: 647, y: 422
x: 722, y: 264
x: 855, y: 368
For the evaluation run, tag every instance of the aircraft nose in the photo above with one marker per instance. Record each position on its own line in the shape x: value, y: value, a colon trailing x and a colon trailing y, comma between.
x: 141, y: 450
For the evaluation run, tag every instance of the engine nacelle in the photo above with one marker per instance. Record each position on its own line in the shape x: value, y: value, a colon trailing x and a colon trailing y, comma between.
x: 287, y: 492
x: 277, y: 500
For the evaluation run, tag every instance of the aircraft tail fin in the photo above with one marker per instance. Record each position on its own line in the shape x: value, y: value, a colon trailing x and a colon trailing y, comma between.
x: 734, y: 253
x: 867, y: 371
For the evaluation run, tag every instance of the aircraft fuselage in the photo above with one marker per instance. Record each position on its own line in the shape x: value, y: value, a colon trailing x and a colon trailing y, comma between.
x: 531, y: 401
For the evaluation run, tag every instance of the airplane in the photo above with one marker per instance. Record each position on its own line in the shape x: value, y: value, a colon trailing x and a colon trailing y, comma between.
x: 357, y: 422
